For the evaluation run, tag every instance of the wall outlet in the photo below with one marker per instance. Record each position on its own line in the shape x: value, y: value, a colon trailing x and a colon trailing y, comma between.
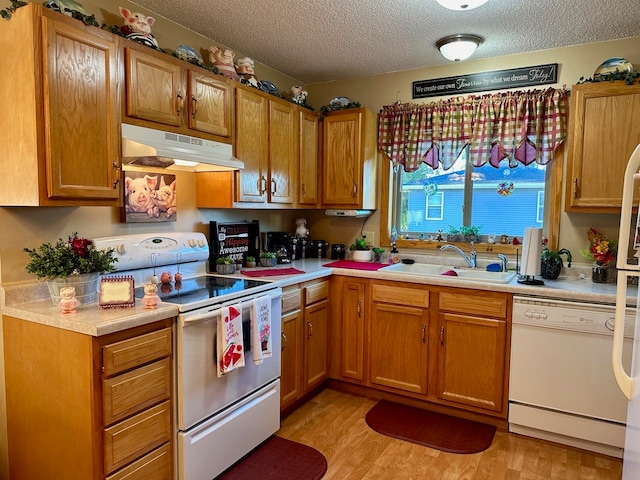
x: 371, y: 238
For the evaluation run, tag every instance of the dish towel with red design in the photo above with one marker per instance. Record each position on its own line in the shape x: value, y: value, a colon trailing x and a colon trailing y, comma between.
x: 230, y: 346
x: 261, y: 329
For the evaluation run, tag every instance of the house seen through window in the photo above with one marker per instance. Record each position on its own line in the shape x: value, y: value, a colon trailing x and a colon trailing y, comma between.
x: 500, y: 201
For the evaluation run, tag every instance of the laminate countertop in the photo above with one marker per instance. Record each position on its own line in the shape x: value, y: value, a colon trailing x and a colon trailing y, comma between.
x: 31, y: 302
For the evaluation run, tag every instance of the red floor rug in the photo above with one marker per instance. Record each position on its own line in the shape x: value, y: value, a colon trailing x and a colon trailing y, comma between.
x: 434, y: 430
x: 278, y: 459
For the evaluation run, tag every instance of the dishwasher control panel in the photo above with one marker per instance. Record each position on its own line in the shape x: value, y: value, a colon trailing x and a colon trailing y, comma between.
x: 567, y: 315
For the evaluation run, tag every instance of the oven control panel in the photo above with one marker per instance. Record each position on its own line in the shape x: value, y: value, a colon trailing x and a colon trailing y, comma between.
x: 150, y: 250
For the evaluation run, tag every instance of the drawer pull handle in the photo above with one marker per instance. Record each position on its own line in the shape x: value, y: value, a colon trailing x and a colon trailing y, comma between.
x: 424, y: 333
x: 284, y: 341
x: 309, y: 329
x: 359, y: 308
x: 441, y: 335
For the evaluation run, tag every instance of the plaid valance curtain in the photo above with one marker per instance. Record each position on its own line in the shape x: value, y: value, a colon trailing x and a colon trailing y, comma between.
x: 521, y: 127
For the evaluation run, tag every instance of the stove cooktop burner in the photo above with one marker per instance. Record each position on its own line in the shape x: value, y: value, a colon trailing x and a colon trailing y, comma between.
x: 199, y: 289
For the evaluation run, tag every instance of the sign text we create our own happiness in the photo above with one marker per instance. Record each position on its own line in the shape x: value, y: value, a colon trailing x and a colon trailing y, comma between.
x: 480, y: 82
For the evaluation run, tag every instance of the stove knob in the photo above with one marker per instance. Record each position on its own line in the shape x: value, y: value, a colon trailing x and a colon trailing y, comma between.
x: 201, y: 243
x: 528, y: 314
x: 192, y: 242
x: 121, y: 249
x: 543, y: 316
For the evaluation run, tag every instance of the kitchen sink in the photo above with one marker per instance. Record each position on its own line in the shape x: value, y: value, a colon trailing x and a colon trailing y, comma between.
x: 431, y: 270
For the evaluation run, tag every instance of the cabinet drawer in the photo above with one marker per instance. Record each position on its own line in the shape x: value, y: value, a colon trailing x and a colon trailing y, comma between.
x: 400, y: 295
x: 131, y: 353
x: 136, y: 390
x: 134, y: 437
x: 291, y: 300
x: 156, y: 465
x: 315, y: 293
x: 474, y: 303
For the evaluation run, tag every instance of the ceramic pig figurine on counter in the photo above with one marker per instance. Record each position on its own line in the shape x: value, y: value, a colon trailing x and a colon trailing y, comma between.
x: 222, y: 59
x: 137, y: 27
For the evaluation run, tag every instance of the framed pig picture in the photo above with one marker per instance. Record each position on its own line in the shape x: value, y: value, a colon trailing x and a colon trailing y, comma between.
x: 149, y: 197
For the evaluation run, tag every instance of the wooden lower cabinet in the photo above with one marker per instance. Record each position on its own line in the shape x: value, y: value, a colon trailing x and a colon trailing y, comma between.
x: 447, y: 346
x: 399, y: 323
x: 305, y: 328
x: 83, y: 407
x: 473, y: 349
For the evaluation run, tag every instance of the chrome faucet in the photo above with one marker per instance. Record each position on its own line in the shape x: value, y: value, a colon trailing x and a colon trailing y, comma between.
x: 503, y: 259
x: 471, y: 259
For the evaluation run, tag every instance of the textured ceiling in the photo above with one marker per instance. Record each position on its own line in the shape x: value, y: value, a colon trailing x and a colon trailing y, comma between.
x: 318, y: 41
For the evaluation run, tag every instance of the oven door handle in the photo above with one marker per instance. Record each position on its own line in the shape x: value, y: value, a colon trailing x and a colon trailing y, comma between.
x: 200, y: 317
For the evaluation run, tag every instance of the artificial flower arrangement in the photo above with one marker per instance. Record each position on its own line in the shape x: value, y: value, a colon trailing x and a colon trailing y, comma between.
x: 601, y: 250
x: 72, y: 257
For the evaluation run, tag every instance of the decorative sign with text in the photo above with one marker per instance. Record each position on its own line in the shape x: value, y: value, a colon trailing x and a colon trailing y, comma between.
x: 482, y: 82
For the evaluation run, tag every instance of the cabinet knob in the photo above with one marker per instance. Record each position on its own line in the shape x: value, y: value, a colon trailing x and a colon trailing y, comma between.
x: 424, y: 333
x: 355, y: 190
x: 442, y: 335
x: 359, y: 308
x: 575, y: 187
x: 284, y: 341
x: 309, y: 329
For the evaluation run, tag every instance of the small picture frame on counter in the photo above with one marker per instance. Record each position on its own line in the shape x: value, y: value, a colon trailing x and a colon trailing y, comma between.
x: 117, y: 292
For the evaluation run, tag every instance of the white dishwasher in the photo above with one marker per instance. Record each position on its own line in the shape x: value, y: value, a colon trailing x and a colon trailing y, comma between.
x: 562, y: 387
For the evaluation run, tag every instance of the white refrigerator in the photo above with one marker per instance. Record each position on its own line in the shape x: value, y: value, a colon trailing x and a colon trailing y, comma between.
x: 629, y: 382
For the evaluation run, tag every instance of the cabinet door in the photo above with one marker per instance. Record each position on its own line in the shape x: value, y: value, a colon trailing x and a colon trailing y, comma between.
x: 155, y: 89
x: 81, y: 117
x: 342, y: 155
x: 283, y: 152
x: 210, y: 104
x: 316, y: 321
x: 252, y: 123
x: 604, y: 131
x: 291, y: 377
x: 353, y: 330
x: 398, y: 350
x: 308, y: 178
x: 471, y: 360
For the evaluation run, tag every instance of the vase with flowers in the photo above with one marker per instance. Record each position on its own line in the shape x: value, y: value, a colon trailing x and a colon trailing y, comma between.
x: 602, y: 252
x: 75, y: 262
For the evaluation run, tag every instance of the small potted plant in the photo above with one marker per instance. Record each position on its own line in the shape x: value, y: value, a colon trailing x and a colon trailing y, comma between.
x: 251, y: 261
x: 378, y: 254
x: 470, y: 233
x: 551, y: 262
x: 360, y: 251
x: 268, y: 259
x: 454, y: 235
x: 225, y: 265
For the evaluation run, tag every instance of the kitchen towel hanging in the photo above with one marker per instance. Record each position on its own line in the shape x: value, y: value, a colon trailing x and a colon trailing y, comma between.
x: 230, y: 343
x: 261, y: 328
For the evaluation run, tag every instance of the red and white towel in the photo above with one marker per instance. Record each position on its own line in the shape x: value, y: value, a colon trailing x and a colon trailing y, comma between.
x: 230, y: 346
x: 261, y: 328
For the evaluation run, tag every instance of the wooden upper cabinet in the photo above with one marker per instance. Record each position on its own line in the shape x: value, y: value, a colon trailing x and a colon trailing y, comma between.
x: 210, y: 102
x: 168, y: 93
x: 70, y: 155
x: 349, y: 155
x: 155, y: 88
x: 309, y: 168
x: 252, y: 133
x: 283, y: 152
x: 603, y: 132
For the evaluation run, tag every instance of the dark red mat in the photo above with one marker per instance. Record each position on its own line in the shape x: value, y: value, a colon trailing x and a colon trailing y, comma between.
x: 356, y: 265
x: 270, y: 272
x: 434, y: 430
x: 278, y: 459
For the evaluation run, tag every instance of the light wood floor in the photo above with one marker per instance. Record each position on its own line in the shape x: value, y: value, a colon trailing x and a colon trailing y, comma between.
x: 334, y: 424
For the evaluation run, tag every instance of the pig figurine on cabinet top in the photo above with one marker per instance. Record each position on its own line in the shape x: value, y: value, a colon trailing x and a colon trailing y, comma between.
x: 222, y: 59
x: 137, y: 27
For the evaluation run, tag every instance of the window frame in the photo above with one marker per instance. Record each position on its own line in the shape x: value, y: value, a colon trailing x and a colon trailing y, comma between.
x: 551, y: 223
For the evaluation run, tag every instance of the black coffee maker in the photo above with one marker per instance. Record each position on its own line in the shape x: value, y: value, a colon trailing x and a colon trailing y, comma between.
x: 278, y: 243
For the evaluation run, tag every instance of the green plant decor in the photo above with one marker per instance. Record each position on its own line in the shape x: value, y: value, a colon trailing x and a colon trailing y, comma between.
x: 267, y: 255
x: 628, y: 77
x: 225, y: 261
x: 71, y: 257
x: 251, y: 259
x: 15, y: 4
x: 359, y: 244
x: 551, y: 262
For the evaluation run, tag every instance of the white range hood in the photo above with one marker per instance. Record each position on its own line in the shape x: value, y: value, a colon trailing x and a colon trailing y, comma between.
x: 148, y: 147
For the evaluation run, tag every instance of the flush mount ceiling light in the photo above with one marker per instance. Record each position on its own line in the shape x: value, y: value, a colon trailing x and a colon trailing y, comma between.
x: 458, y: 47
x: 461, y: 4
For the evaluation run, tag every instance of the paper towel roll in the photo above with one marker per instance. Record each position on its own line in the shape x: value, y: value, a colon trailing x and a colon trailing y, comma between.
x: 531, y: 252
